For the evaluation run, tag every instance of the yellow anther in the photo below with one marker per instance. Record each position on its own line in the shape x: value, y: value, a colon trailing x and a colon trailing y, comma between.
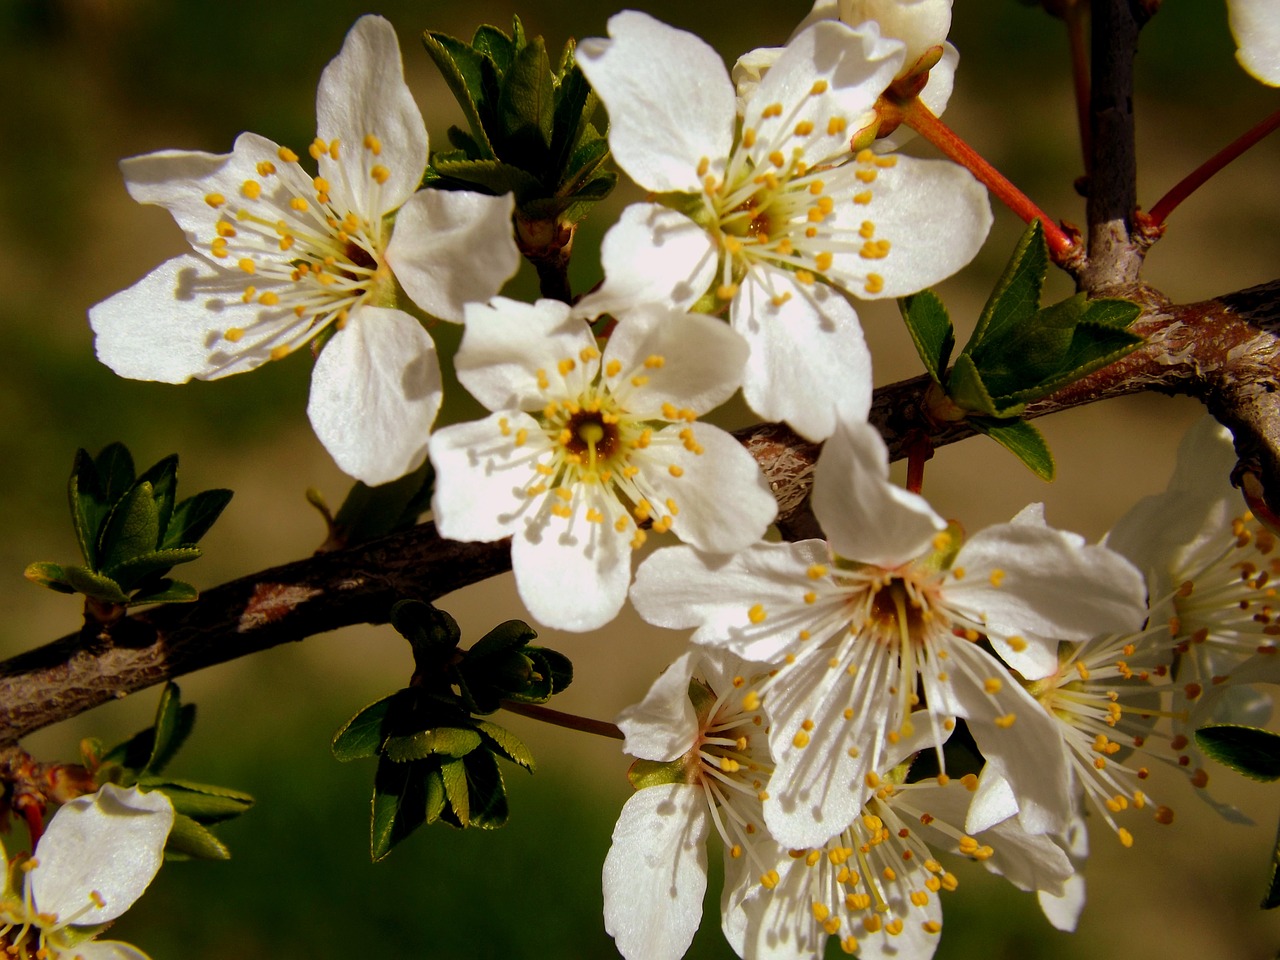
x: 251, y: 189
x: 1017, y: 644
x: 300, y: 204
x: 801, y: 739
x: 279, y: 353
x: 997, y: 577
x: 335, y: 149
x: 772, y: 110
x: 224, y: 229
x: 1005, y: 722
x: 676, y: 470
x: 751, y: 702
x: 757, y: 614
x: 823, y: 261
x: 874, y: 284
x: 992, y: 685
x: 373, y: 144
x: 287, y: 155
x: 214, y: 200
x: 866, y: 176
x: 565, y: 366
x: 781, y: 298
x: 234, y: 334
x: 805, y: 277
x: 777, y: 158
x: 247, y: 265
x: 639, y: 380
x: 321, y: 184
x: 804, y: 128
x: 836, y: 125
x: 886, y: 162
x: 379, y: 173
x: 769, y: 879
x: 1126, y: 838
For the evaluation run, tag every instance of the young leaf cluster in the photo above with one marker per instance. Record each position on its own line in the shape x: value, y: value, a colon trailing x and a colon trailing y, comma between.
x: 530, y: 130
x: 140, y: 761
x: 131, y: 530
x: 437, y: 760
x: 1019, y: 352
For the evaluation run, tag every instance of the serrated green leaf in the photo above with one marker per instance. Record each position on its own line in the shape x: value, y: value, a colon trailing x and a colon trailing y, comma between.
x: 454, y: 775
x: 526, y: 107
x: 966, y: 389
x: 575, y: 102
x: 492, y: 43
x: 1272, y: 898
x: 364, y: 734
x: 94, y: 585
x: 1022, y: 355
x: 192, y: 839
x: 462, y: 70
x: 435, y: 795
x: 399, y: 805
x: 531, y: 686
x: 425, y: 627
x: 560, y: 667
x: 172, y: 726
x: 204, y: 804
x: 88, y: 505
x: 501, y: 740
x: 1106, y: 312
x: 1017, y: 293
x: 150, y: 564
x: 508, y: 635
x: 371, y: 512
x: 487, y: 794
x: 1092, y: 347
x: 48, y: 575
x: 494, y: 176
x: 132, y: 529
x: 163, y: 477
x: 193, y: 517
x: 466, y: 148
x: 1022, y: 440
x: 421, y: 744
x: 165, y: 591
x: 1250, y: 751
x: 931, y: 331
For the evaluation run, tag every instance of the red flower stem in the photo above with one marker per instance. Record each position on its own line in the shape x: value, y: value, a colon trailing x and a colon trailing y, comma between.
x: 600, y: 728
x: 922, y: 120
x: 1197, y: 177
x: 1076, y: 18
x: 918, y: 454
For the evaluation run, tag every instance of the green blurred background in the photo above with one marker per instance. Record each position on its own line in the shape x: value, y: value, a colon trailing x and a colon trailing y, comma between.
x: 85, y: 82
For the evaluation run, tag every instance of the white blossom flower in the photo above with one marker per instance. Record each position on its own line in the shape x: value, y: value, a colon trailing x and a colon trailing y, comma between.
x: 283, y: 258
x: 582, y: 449
x: 755, y: 219
x: 928, y: 66
x: 702, y: 762
x: 876, y: 885
x: 890, y: 604
x: 98, y: 855
x: 1256, y: 26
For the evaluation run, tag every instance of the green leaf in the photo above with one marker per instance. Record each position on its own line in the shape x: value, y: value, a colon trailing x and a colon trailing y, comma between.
x: 445, y: 741
x: 501, y: 740
x: 492, y: 43
x: 966, y: 389
x: 163, y: 477
x: 931, y: 331
x: 558, y: 665
x: 364, y: 734
x: 165, y: 591
x: 371, y: 512
x: 1272, y: 899
x: 172, y: 727
x: 94, y: 585
x: 88, y: 505
x: 429, y: 630
x: 590, y: 151
x: 508, y: 635
x: 526, y: 106
x: 1026, y: 352
x: 574, y: 104
x: 1017, y: 294
x: 487, y: 794
x: 153, y: 564
x: 189, y: 838
x: 48, y: 575
x: 132, y: 529
x: 454, y: 775
x: 399, y: 805
x: 201, y: 802
x: 193, y: 517
x: 654, y: 773
x: 1250, y: 751
x: 1022, y: 440
x: 493, y: 176
x: 436, y: 799
x: 462, y: 69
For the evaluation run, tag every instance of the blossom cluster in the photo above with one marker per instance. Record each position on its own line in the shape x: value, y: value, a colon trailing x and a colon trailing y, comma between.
x: 809, y: 723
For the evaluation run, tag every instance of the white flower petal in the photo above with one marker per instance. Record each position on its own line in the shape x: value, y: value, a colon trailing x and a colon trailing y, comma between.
x: 362, y: 93
x: 1256, y: 27
x: 905, y: 197
x: 451, y: 248
x: 662, y: 121
x: 110, y: 842
x: 511, y: 351
x: 573, y: 574
x: 808, y: 356
x: 107, y: 950
x: 375, y: 392
x: 652, y: 255
x: 481, y: 476
x: 866, y: 517
x: 662, y: 726
x: 723, y: 503
x: 655, y: 874
x: 688, y: 360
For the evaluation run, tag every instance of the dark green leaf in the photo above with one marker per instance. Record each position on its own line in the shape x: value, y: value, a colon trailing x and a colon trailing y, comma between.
x: 1091, y: 348
x: 492, y: 43
x: 445, y: 741
x: 189, y: 838
x: 132, y: 529
x: 94, y: 585
x: 574, y: 104
x: 588, y: 153
x: 371, y: 512
x: 151, y: 564
x: 399, y: 805
x: 1017, y: 294
x: 466, y: 148
x: 508, y: 635
x: 1272, y: 899
x: 365, y: 733
x: 163, y: 477
x: 1250, y: 751
x: 454, y: 775
x: 931, y: 331
x: 501, y: 740
x: 48, y: 575
x: 533, y: 686
x: 432, y: 633
x: 1022, y: 440
x: 193, y: 517
x: 172, y: 727
x: 526, y: 106
x: 165, y: 591
x: 436, y: 799
x: 493, y: 176
x: 1111, y: 313
x: 1025, y: 353
x: 89, y: 507
x: 202, y: 803
x: 966, y: 389
x: 560, y: 667
x: 487, y: 794
x: 463, y: 70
